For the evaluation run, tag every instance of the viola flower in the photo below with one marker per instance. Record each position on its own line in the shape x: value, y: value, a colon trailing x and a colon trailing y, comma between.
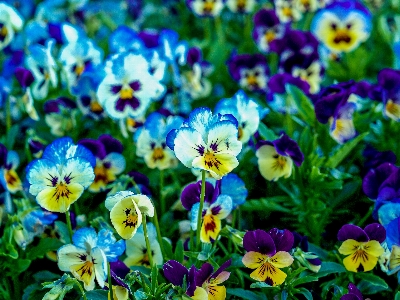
x: 336, y: 105
x: 374, y: 158
x: 250, y: 71
x: 127, y: 211
x: 60, y: 115
x: 388, y: 92
x: 353, y: 294
x: 10, y: 21
x: 268, y: 32
x: 136, y: 250
x: 179, y: 275
x: 9, y: 162
x: 59, y: 178
x: 118, y: 273
x: 342, y: 26
x: 207, y: 8
x: 216, y: 207
x: 307, y: 5
x: 287, y: 10
x: 125, y: 39
x: 127, y: 91
x: 246, y: 111
x: 208, y: 283
x: 307, y: 259
x: 77, y: 57
x: 151, y: 141
x: 207, y: 142
x: 43, y: 67
x: 276, y: 158
x: 268, y: 253
x: 109, y: 160
x: 390, y: 261
x: 36, y: 220
x: 233, y: 186
x: 241, y: 6
x: 362, y: 247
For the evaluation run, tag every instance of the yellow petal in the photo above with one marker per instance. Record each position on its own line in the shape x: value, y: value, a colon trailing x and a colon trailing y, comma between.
x: 210, y: 228
x: 218, y: 164
x: 269, y: 273
x: 216, y: 292
x: 126, y: 217
x: 200, y: 294
x: 281, y: 259
x: 60, y: 197
x: 360, y: 257
x: 349, y: 247
x: 253, y: 259
x: 373, y: 248
x: 12, y: 180
x: 271, y: 165
x: 394, y: 260
x: 84, y: 272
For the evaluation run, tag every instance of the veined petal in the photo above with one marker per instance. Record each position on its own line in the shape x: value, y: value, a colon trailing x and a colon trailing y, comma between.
x: 222, y: 277
x: 77, y: 170
x: 12, y: 180
x: 223, y: 136
x: 269, y: 273
x: 69, y: 255
x: 281, y: 259
x: 217, y: 164
x: 39, y: 174
x: 60, y: 197
x: 394, y: 260
x: 222, y: 207
x: 126, y: 217
x: 352, y: 262
x: 188, y: 145
x: 374, y: 248
x: 342, y: 130
x: 216, y: 292
x: 253, y: 259
x: 271, y: 165
x: 349, y: 246
x: 200, y: 294
x: 210, y: 228
x: 84, y: 272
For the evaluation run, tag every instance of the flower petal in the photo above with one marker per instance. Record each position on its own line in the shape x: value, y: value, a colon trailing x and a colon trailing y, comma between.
x: 253, y: 259
x: 282, y: 259
x: 126, y: 217
x: 354, y: 232
x: 259, y: 241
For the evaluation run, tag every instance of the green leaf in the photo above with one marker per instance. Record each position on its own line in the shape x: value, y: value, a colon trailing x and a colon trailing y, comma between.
x: 302, y: 280
x: 244, y: 294
x: 154, y: 275
x: 266, y: 133
x: 397, y: 297
x: 96, y: 295
x: 11, y: 136
x: 140, y: 295
x: 306, y: 293
x: 179, y: 251
x: 63, y: 231
x: 328, y: 268
x: 206, y: 252
x: 269, y: 204
x: 45, y: 245
x: 20, y: 266
x: 303, y: 104
x: 371, y: 284
x: 167, y: 248
x: 263, y: 285
x: 343, y: 151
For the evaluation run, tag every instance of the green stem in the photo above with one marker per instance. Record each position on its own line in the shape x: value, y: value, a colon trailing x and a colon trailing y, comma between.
x: 162, y: 198
x: 200, y: 213
x: 109, y: 282
x: 159, y: 237
x: 68, y: 218
x: 367, y: 215
x: 146, y: 237
x: 8, y: 115
x: 191, y: 242
x: 82, y: 291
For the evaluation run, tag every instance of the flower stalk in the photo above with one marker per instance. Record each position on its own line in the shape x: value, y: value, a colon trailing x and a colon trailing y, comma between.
x: 200, y: 213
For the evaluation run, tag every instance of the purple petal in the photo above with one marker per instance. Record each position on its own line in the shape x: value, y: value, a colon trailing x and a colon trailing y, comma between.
x: 175, y: 272
x: 24, y: 77
x: 191, y: 282
x: 94, y: 146
x: 354, y: 232
x: 222, y: 268
x: 285, y: 146
x: 259, y: 241
x: 376, y: 232
x: 350, y: 297
x: 118, y: 272
x: 3, y: 155
x: 374, y: 179
x: 283, y: 239
x: 203, y: 274
x: 191, y: 194
x: 354, y: 290
x: 111, y: 144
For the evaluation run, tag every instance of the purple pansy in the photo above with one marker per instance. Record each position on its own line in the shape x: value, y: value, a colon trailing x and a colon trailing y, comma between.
x: 353, y: 294
x: 374, y: 158
x: 176, y: 273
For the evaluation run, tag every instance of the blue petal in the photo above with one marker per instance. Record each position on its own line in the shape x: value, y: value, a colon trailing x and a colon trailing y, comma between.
x: 193, y: 215
x: 108, y: 243
x: 234, y: 187
x: 388, y: 212
x: 85, y: 237
x: 393, y: 233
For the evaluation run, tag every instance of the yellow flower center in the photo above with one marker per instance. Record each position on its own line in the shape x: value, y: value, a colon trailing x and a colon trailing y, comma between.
x: 79, y: 70
x: 251, y: 80
x: 61, y: 191
x: 342, y: 35
x: 158, y: 153
x: 208, y: 7
x: 126, y: 93
x: 269, y: 36
x: 95, y: 107
x: 3, y: 31
x: 211, y: 160
x: 280, y: 162
x: 240, y: 132
x: 287, y: 12
x: 392, y: 109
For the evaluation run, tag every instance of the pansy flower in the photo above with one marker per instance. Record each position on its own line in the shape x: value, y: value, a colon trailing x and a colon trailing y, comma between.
x: 336, y: 105
x: 43, y: 67
x: 353, y: 293
x: 362, y: 247
x: 128, y: 87
x: 287, y: 10
x: 109, y: 160
x: 9, y: 162
x: 87, y: 257
x: 118, y: 272
x: 216, y: 207
x: 151, y: 141
x: 388, y: 92
x: 307, y: 5
x: 208, y: 282
x: 207, y: 142
x: 10, y: 21
x: 127, y: 211
x: 250, y: 71
x: 267, y: 253
x: 206, y: 8
x: 342, y: 26
x: 246, y: 111
x: 233, y: 186
x: 60, y: 115
x: 276, y: 158
x: 77, y: 57
x: 268, y: 31
x: 59, y: 178
x: 136, y: 250
x: 241, y: 6
x: 179, y: 275
x: 125, y: 39
x: 374, y: 158
x: 36, y: 220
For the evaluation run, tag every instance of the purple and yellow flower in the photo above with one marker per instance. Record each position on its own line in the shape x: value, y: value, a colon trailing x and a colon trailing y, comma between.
x: 118, y: 272
x: 342, y: 26
x: 151, y: 141
x: 9, y: 162
x: 127, y: 91
x: 109, y: 160
x: 206, y: 8
x: 362, y: 247
x: 207, y: 142
x: 250, y: 71
x: 246, y: 111
x: 353, y: 294
x: 127, y: 211
x: 179, y: 275
x: 268, y: 32
x: 59, y: 178
x: 10, y: 21
x: 276, y: 158
x: 287, y: 10
x: 216, y: 207
x: 267, y: 253
x: 388, y: 92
